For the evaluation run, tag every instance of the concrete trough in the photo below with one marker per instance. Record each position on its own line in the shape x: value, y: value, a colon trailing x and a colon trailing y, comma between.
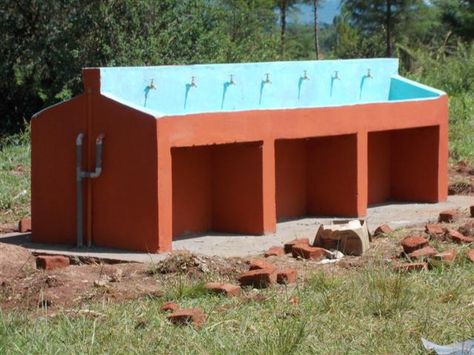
x: 231, y: 148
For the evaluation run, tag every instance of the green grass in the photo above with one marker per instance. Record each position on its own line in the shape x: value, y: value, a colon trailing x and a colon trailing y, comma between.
x: 14, y: 177
x: 368, y: 311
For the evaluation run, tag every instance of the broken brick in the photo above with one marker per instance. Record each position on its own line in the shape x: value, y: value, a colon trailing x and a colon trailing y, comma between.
x: 187, y: 316
x: 467, y: 229
x: 446, y: 256
x: 257, y: 264
x: 288, y: 247
x: 406, y: 267
x: 470, y: 255
x: 458, y: 237
x: 424, y: 252
x: 434, y: 229
x: 223, y: 288
x: 383, y: 229
x: 24, y: 225
x: 286, y: 276
x: 448, y: 216
x: 169, y: 306
x: 307, y: 252
x: 412, y: 243
x: 46, y: 262
x: 258, y: 278
x: 274, y: 251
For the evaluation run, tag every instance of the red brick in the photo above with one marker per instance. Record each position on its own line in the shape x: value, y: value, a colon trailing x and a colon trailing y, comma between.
x: 412, y: 243
x: 467, y: 229
x: 383, y: 229
x: 434, y: 229
x: 169, y: 306
x: 424, y: 252
x: 286, y: 276
x: 257, y: 264
x: 187, y: 316
x: 406, y: 267
x: 288, y: 247
x: 223, y: 288
x: 448, y: 216
x: 24, y: 225
x: 458, y: 237
x: 307, y: 252
x: 258, y: 278
x: 472, y: 210
x: 275, y: 251
x: 470, y: 255
x: 51, y: 262
x: 446, y: 256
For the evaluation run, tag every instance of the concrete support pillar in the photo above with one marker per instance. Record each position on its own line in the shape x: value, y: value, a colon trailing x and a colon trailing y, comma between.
x: 362, y: 173
x: 165, y: 198
x: 268, y: 181
x: 443, y: 152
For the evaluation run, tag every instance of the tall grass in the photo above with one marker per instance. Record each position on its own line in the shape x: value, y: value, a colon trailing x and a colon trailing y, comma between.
x: 15, y: 176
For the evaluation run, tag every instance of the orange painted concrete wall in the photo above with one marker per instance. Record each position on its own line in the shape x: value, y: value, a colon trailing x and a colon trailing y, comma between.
x: 53, y: 174
x: 291, y: 178
x: 332, y: 176
x: 136, y: 203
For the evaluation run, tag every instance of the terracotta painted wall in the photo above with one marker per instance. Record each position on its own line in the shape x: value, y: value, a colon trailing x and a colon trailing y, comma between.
x: 238, y: 188
x: 124, y: 198
x: 379, y: 167
x: 53, y: 179
x: 291, y: 179
x: 415, y: 163
x: 332, y: 176
x: 192, y: 190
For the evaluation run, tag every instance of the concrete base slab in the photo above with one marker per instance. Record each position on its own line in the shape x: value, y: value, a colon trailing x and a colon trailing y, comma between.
x: 396, y: 215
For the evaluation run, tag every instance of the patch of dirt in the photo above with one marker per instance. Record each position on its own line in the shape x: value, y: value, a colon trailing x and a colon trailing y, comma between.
x: 461, y: 179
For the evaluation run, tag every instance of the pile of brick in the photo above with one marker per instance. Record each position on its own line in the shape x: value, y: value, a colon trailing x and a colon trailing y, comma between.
x: 420, y: 255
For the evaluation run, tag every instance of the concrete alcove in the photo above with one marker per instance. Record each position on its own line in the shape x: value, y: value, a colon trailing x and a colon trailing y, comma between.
x: 217, y: 188
x: 316, y: 176
x: 403, y: 165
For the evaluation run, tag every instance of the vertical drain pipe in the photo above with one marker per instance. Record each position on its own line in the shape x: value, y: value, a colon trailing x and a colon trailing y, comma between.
x: 82, y: 175
x: 79, y: 212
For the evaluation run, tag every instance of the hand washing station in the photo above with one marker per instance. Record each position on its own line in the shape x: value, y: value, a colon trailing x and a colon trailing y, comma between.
x: 167, y: 151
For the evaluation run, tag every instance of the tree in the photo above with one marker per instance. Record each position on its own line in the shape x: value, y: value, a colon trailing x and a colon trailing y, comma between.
x: 388, y: 16
x: 283, y: 6
x: 316, y: 5
x: 458, y: 15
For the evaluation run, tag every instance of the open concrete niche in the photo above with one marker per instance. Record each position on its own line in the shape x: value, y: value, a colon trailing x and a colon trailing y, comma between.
x: 403, y: 165
x: 316, y: 176
x: 217, y: 188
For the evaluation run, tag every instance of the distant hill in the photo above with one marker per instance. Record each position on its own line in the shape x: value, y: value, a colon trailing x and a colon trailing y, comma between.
x: 327, y: 12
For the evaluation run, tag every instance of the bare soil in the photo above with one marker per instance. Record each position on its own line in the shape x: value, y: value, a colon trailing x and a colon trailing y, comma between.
x: 25, y: 288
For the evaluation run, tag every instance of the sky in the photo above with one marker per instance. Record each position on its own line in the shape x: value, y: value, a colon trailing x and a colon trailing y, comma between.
x: 328, y: 10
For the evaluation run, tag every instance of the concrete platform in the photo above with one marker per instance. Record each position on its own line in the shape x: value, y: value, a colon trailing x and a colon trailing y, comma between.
x: 227, y: 245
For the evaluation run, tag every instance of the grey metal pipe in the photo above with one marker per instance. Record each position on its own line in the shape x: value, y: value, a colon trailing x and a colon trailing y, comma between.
x: 83, y: 175
x: 79, y: 208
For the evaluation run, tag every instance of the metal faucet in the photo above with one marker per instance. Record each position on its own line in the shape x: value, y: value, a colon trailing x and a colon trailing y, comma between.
x: 231, y: 80
x: 152, y: 86
x: 193, y: 82
x: 369, y: 75
x: 267, y: 79
x: 305, y: 75
x: 336, y: 75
